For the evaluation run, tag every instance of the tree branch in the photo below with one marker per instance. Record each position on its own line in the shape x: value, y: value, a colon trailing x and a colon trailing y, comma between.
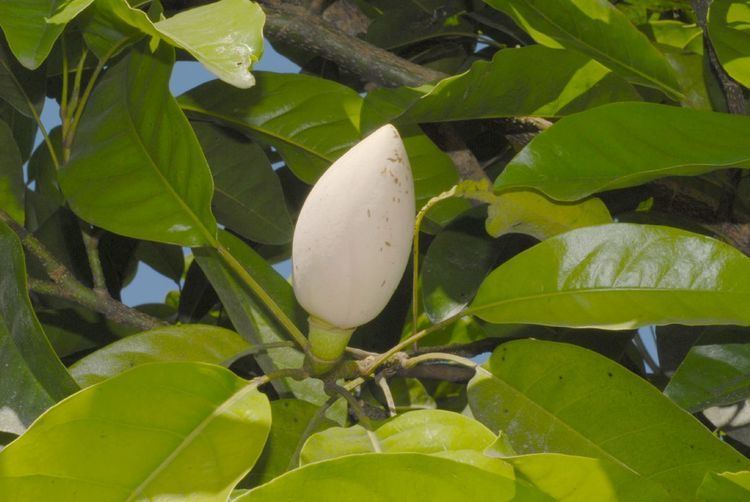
x: 64, y: 285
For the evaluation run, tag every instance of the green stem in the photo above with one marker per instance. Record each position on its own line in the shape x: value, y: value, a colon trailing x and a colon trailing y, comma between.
x: 91, y: 243
x: 64, y: 97
x: 259, y: 292
x: 439, y: 356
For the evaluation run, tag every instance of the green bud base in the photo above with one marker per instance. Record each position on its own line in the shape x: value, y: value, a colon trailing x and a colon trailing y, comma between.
x: 326, y: 345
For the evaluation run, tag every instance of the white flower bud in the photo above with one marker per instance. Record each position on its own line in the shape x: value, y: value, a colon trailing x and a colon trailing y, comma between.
x: 353, y: 237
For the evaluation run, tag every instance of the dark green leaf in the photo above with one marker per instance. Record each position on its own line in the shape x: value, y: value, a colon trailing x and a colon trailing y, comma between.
x: 569, y: 160
x: 310, y: 121
x: 166, y: 259
x: 565, y: 82
x: 189, y: 342
x: 247, y: 192
x: 20, y: 87
x: 251, y: 320
x: 33, y: 378
x: 156, y: 184
x: 553, y: 397
x: 155, y: 431
x: 597, y: 29
x: 400, y: 476
x: 12, y: 187
x: 729, y: 29
x: 619, y: 276
x: 711, y: 375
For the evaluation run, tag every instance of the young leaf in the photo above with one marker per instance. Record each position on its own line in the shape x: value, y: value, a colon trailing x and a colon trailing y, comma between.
x: 310, y: 121
x: 33, y: 378
x: 555, y: 397
x: 597, y: 29
x: 400, y: 476
x: 188, y: 342
x: 154, y: 431
x: 569, y: 161
x: 619, y: 276
x: 568, y: 82
x: 226, y: 36
x: 711, y: 375
x: 247, y: 192
x: 422, y: 431
x: 729, y: 29
x: 155, y: 184
x: 12, y: 187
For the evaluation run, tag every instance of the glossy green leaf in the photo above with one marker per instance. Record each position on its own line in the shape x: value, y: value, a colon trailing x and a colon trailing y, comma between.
x: 110, y: 25
x: 400, y: 476
x: 673, y: 34
x: 530, y: 213
x: 155, y: 431
x: 251, y: 320
x: 67, y: 10
x: 571, y: 478
x: 729, y: 29
x: 711, y: 375
x: 226, y: 36
x: 290, y: 419
x: 567, y: 162
x: 595, y: 28
x: 727, y: 486
x: 33, y: 378
x: 12, y: 186
x: 554, y: 397
x: 310, y: 121
x: 421, y: 431
x: 25, y: 25
x: 247, y: 192
x: 565, y: 82
x: 187, y: 342
x: 453, y: 268
x: 619, y: 276
x: 156, y: 184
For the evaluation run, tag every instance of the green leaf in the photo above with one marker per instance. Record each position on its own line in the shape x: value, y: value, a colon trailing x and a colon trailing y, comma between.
x: 109, y: 25
x: 725, y: 486
x: 156, y: 184
x: 619, y: 276
x: 568, y: 162
x: 290, y: 419
x: 166, y: 259
x: 564, y: 82
x: 67, y: 10
x: 567, y: 477
x: 155, y: 431
x: 711, y: 375
x: 226, y: 36
x: 530, y: 213
x: 251, y: 320
x: 311, y: 121
x: 247, y: 192
x: 729, y: 29
x: 12, y: 187
x: 33, y: 378
x: 20, y: 87
x: 25, y: 25
x: 673, y: 34
x: 188, y: 342
x: 421, y: 431
x: 400, y: 476
x: 595, y: 28
x: 453, y: 268
x: 24, y: 128
x: 554, y: 397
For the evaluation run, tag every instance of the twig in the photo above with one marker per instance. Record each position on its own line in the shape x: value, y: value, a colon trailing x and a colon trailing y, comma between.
x: 91, y: 243
x: 386, y: 389
x: 64, y: 285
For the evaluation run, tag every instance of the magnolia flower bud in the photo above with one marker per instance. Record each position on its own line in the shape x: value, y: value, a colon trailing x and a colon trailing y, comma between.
x: 353, y: 236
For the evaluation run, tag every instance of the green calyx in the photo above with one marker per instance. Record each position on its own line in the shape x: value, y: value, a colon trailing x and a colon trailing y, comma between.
x: 326, y: 345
